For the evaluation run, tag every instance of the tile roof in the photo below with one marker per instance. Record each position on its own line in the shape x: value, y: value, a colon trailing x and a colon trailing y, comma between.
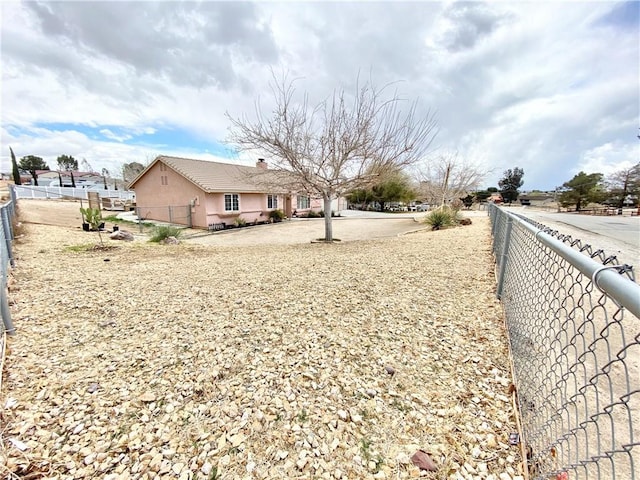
x: 217, y: 176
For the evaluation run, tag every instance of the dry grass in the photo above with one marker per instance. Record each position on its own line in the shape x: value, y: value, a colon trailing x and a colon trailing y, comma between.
x: 257, y: 362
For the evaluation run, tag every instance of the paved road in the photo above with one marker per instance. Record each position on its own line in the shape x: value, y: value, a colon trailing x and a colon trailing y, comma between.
x: 616, y: 235
x: 617, y: 227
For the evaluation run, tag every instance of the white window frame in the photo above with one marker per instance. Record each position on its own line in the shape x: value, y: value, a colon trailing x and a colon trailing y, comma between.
x: 237, y: 202
x: 303, y: 202
x: 272, y: 201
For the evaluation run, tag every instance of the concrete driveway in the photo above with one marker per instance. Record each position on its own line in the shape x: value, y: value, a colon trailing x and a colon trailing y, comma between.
x: 352, y: 225
x: 304, y: 230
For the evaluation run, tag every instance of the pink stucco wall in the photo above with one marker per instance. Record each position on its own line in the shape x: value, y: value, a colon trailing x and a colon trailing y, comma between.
x: 253, y: 208
x: 154, y: 196
x: 161, y: 188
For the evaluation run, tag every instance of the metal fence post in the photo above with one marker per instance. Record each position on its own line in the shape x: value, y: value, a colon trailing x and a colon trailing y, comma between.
x: 139, y: 219
x: 6, y: 312
x: 6, y: 226
x: 505, y: 257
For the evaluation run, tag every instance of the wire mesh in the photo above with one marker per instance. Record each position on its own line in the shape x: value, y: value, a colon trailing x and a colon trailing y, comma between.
x: 575, y: 353
x: 172, y: 214
x: 6, y: 258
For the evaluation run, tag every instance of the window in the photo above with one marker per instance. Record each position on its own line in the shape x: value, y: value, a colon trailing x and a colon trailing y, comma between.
x: 164, y: 180
x: 303, y: 202
x: 231, y: 202
x: 272, y: 201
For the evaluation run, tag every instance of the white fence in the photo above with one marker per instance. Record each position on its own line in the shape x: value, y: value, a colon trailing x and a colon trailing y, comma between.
x: 30, y: 191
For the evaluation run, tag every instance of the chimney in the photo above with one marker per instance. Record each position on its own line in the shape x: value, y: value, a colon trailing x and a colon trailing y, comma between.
x: 261, y: 164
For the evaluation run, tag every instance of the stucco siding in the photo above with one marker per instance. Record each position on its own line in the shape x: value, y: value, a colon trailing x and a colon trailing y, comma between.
x: 161, y: 188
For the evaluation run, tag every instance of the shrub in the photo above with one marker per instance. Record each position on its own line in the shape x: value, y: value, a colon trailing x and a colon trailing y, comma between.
x: 240, y: 222
x: 313, y: 214
x: 162, y: 232
x: 333, y: 213
x: 442, y: 218
x: 276, y: 215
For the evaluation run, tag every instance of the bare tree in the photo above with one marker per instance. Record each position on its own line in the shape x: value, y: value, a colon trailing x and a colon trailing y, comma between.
x: 341, y: 144
x: 447, y: 178
x: 623, y: 183
x: 86, y: 166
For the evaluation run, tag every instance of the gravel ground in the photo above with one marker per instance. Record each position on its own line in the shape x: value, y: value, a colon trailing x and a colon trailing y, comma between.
x: 269, y: 361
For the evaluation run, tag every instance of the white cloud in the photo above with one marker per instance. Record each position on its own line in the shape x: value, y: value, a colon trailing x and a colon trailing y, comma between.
x: 542, y: 86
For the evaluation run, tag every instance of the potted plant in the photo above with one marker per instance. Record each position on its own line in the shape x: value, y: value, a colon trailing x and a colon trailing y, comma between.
x: 92, y: 219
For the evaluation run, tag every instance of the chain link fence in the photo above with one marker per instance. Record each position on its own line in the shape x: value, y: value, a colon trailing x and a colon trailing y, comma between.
x: 7, y: 212
x: 171, y: 214
x: 573, y: 321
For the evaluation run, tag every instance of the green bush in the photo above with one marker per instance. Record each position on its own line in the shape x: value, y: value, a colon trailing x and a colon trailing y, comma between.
x: 313, y: 214
x: 162, y: 232
x: 276, y: 215
x: 240, y: 222
x: 442, y: 218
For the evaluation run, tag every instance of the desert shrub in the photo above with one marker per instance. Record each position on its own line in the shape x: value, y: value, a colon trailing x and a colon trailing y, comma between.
x: 442, y: 218
x: 240, y: 222
x: 276, y: 215
x: 333, y: 213
x: 162, y: 232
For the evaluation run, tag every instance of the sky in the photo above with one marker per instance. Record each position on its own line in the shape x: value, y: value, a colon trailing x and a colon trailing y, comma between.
x: 550, y: 87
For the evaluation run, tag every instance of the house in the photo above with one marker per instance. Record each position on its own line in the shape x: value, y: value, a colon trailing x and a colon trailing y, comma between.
x: 213, y: 195
x: 495, y: 198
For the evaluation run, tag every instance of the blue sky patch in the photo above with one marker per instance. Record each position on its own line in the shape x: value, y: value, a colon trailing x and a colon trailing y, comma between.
x: 623, y: 15
x: 160, y: 139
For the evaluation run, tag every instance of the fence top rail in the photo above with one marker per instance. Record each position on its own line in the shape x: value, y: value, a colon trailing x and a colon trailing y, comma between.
x: 607, y: 278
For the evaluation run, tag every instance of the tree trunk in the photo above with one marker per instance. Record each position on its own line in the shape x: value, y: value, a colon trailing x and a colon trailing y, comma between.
x: 35, y: 178
x: 328, y: 226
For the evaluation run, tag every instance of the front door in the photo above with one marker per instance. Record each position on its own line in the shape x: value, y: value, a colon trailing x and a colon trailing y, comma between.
x: 287, y: 206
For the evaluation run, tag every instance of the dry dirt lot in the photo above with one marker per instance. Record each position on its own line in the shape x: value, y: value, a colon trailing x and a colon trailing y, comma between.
x: 263, y: 362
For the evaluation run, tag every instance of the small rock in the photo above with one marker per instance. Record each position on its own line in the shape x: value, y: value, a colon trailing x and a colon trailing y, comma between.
x: 93, y: 388
x: 148, y: 397
x: 122, y: 235
x: 390, y: 370
x: 423, y: 461
x: 177, y: 468
x: 343, y: 415
x: 170, y: 241
x: 206, y: 468
x: 371, y: 392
